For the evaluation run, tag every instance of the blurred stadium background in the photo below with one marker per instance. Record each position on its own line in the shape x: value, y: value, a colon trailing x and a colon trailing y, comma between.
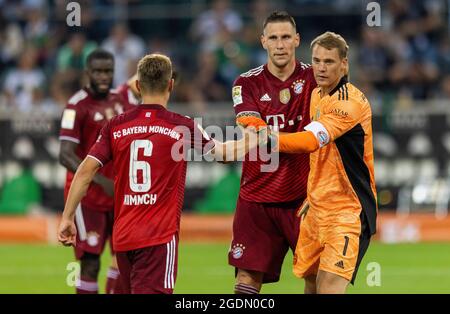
x: 403, y: 67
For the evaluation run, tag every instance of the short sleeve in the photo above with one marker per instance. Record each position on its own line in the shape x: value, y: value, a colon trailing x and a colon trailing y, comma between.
x: 341, y: 117
x: 101, y: 150
x: 200, y: 140
x: 243, y: 99
x: 193, y: 136
x: 72, y: 123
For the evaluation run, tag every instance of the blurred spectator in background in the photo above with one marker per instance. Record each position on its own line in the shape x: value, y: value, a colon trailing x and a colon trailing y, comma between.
x: 24, y: 85
x: 374, y: 57
x: 11, y: 42
x: 206, y: 86
x: 37, y: 26
x: 127, y: 49
x: 210, y: 24
x: 445, y: 88
x: 251, y: 34
x: 63, y: 86
x: 72, y: 56
x: 419, y: 24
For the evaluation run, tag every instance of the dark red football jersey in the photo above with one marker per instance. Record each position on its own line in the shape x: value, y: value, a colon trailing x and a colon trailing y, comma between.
x: 146, y: 146
x: 126, y: 92
x: 82, y: 121
x: 285, y: 107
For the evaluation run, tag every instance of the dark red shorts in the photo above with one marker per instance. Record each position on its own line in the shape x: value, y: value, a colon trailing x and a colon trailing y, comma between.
x: 94, y: 228
x: 149, y: 270
x: 262, y: 235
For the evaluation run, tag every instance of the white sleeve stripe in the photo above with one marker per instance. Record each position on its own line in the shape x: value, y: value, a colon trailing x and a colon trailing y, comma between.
x: 70, y: 139
x: 96, y: 159
x: 320, y: 132
x: 79, y: 219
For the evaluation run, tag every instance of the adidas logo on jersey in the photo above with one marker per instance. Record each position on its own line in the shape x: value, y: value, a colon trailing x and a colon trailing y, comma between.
x: 265, y: 97
x: 340, y: 264
x: 98, y: 116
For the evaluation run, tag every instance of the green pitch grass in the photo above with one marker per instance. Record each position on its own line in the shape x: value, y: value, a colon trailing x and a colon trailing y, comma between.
x: 405, y: 268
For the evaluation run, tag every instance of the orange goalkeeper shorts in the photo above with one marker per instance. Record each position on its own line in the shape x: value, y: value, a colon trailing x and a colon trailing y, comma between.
x: 335, y: 244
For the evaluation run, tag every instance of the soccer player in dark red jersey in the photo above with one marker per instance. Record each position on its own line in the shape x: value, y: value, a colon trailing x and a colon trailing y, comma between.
x: 129, y: 91
x: 86, y: 113
x: 146, y: 146
x: 277, y: 94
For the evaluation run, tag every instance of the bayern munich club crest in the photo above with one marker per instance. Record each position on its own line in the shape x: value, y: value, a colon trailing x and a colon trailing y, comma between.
x: 297, y: 86
x: 323, y: 138
x: 237, y: 250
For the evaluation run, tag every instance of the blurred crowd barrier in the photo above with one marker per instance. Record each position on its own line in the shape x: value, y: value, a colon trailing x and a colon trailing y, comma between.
x: 391, y: 228
x: 411, y: 146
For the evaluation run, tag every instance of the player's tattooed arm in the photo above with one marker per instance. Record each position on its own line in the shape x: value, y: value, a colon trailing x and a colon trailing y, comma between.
x: 70, y: 160
x: 236, y: 150
x: 80, y: 184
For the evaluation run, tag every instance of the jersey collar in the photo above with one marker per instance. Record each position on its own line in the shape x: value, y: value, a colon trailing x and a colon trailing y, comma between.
x: 297, y: 67
x: 151, y: 106
x: 343, y: 81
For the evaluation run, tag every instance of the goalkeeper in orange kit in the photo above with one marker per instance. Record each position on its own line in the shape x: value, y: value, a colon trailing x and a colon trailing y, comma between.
x: 336, y: 230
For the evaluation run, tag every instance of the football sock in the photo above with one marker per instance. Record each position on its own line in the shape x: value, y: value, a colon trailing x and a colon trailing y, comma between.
x: 242, y: 288
x: 112, y: 280
x: 87, y: 286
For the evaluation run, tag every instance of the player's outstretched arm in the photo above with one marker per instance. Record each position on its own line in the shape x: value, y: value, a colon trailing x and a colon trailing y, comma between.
x: 299, y: 142
x: 236, y: 150
x: 80, y: 184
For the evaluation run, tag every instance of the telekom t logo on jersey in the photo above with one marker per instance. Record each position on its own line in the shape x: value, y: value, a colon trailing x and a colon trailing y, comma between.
x: 275, y: 119
x: 279, y: 121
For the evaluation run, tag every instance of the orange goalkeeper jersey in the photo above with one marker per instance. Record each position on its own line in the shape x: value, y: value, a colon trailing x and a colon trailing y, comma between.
x: 342, y: 176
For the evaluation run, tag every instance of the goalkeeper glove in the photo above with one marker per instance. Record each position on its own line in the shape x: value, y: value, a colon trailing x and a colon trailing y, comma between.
x: 255, y: 122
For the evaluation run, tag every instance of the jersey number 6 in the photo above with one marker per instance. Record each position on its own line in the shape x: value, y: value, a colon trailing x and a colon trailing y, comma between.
x: 140, y: 165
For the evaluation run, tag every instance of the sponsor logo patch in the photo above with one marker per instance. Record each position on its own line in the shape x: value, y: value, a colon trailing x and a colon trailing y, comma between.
x: 265, y: 97
x: 98, y: 116
x: 339, y: 112
x: 285, y: 96
x: 340, y: 264
x: 237, y: 95
x: 68, y: 119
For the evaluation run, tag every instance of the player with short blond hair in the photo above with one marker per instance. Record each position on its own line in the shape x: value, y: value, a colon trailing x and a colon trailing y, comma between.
x: 143, y: 146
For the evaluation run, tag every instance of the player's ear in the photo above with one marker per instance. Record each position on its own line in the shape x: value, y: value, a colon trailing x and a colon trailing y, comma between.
x: 345, y: 66
x: 297, y: 39
x: 263, y: 41
x: 138, y: 87
x: 171, y: 82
